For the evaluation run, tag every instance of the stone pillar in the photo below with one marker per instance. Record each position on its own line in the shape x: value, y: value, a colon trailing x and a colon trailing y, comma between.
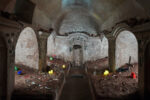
x: 141, y: 69
x: 111, y: 53
x: 43, y: 50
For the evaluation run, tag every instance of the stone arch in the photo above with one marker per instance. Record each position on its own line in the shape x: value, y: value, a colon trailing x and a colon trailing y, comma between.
x: 78, y: 39
x: 27, y: 52
x: 3, y: 69
x: 147, y: 69
x: 126, y: 48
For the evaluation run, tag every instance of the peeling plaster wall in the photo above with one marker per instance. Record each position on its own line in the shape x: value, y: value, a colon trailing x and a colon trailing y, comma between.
x: 59, y: 47
x: 95, y: 48
x: 126, y: 46
x: 26, y: 52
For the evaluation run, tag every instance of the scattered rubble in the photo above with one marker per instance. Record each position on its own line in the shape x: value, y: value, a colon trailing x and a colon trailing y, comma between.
x: 32, y: 81
x: 113, y: 85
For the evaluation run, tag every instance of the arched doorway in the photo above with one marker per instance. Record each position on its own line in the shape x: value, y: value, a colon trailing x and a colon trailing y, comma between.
x: 147, y: 69
x: 77, y: 55
x: 3, y: 69
x: 126, y: 49
x: 27, y: 52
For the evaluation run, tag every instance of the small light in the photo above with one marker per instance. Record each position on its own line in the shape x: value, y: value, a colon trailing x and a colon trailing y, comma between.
x: 51, y: 72
x: 16, y: 68
x: 51, y: 58
x: 106, y: 73
x: 19, y: 72
x: 63, y: 66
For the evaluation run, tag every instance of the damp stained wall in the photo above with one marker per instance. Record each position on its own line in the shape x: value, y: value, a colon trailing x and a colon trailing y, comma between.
x: 26, y: 52
x: 59, y: 47
x: 93, y: 49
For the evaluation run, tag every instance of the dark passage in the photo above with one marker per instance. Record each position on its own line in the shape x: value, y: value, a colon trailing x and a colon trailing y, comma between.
x: 76, y: 86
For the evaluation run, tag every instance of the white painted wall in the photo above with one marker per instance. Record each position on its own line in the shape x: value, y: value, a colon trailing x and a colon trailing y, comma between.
x: 59, y: 47
x: 95, y: 48
x: 126, y: 46
x: 26, y: 52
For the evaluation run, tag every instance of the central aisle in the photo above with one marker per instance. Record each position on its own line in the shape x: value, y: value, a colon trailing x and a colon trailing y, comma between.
x: 77, y: 86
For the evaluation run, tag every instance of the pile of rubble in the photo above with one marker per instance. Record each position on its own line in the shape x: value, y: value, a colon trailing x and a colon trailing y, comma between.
x: 31, y: 81
x: 114, y: 85
x: 99, y: 65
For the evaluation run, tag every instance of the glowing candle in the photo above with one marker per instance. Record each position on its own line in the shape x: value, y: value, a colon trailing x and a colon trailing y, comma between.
x: 63, y: 66
x: 106, y: 73
x: 51, y: 72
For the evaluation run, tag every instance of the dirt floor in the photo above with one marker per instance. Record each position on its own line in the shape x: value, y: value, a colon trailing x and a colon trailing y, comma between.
x: 32, y: 82
x: 118, y: 85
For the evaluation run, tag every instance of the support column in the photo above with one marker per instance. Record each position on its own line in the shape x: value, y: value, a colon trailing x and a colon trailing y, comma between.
x: 141, y: 69
x: 42, y: 51
x: 111, y: 53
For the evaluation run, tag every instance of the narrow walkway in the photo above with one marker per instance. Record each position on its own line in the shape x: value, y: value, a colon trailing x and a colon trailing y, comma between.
x: 76, y: 86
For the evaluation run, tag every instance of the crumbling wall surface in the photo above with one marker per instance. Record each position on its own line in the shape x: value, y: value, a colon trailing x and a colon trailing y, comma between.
x: 59, y: 47
x: 96, y: 49
x: 27, y: 52
x: 126, y: 46
x: 93, y: 49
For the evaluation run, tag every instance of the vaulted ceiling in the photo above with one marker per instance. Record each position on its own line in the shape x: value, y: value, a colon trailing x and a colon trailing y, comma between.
x: 108, y: 12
